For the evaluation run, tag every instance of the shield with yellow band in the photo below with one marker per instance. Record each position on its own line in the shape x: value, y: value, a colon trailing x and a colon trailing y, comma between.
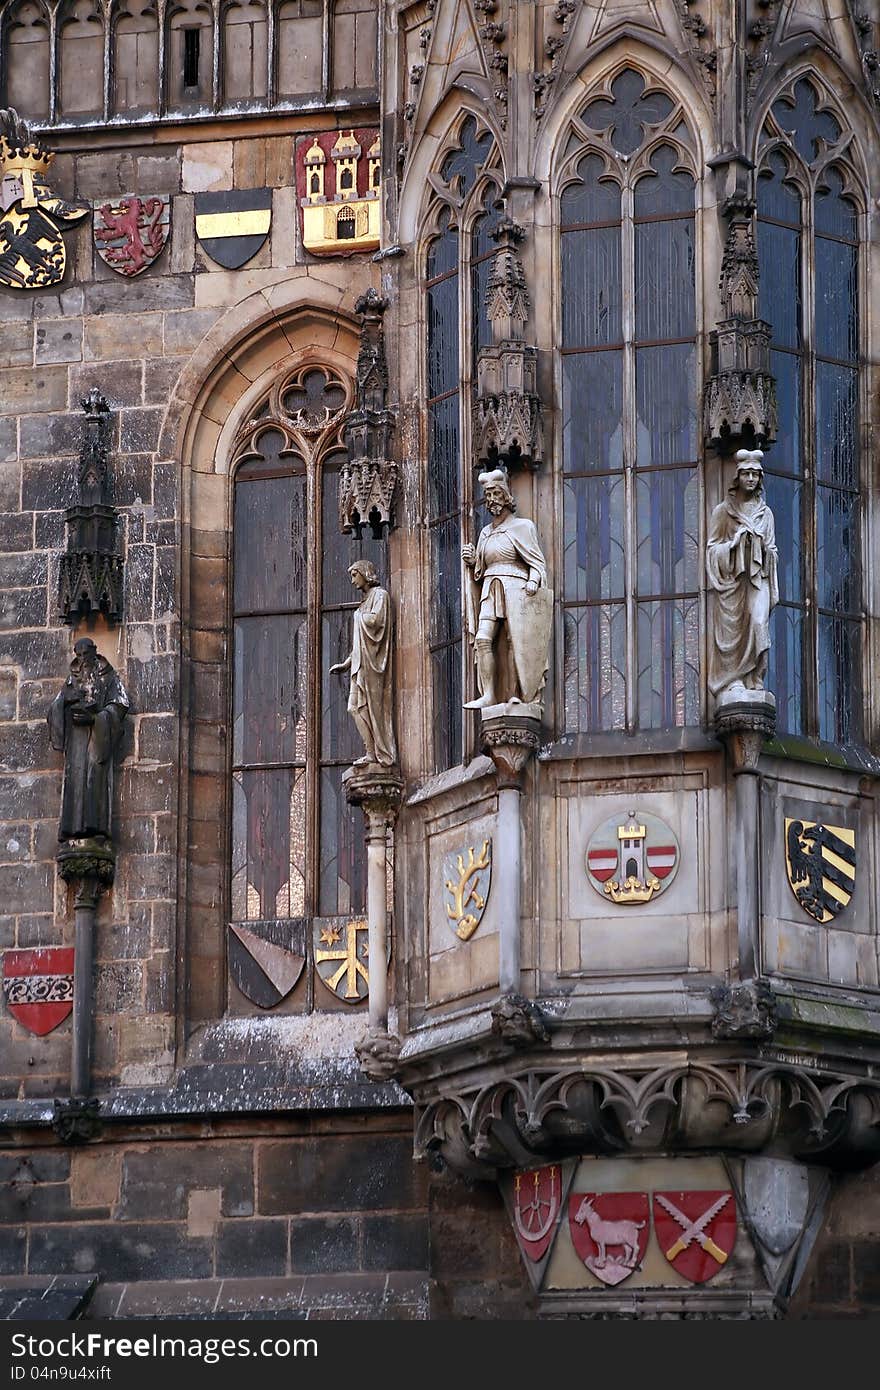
x: 820, y: 861
x: 232, y: 225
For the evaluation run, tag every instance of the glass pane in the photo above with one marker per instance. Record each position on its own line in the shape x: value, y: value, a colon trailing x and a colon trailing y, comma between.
x: 592, y: 412
x: 779, y: 289
x: 448, y: 697
x: 443, y: 253
x: 339, y: 738
x: 835, y: 215
x: 269, y: 570
x: 837, y: 424
x: 268, y: 844
x: 593, y: 199
x: 785, y: 671
x: 443, y: 479
x: 784, y: 497
x: 666, y: 403
x: 591, y: 302
x: 595, y: 668
x: 482, y: 252
x: 664, y: 280
x: 593, y: 546
x: 837, y: 307
x: 270, y: 690
x: 668, y: 663
x: 838, y: 550
x: 628, y: 112
x: 840, y: 680
x: 442, y: 315
x: 667, y: 189
x: 668, y: 525
x: 798, y: 117
x: 786, y: 452
x: 445, y: 581
x: 343, y: 855
x: 775, y: 197
x: 461, y: 166
x: 339, y: 551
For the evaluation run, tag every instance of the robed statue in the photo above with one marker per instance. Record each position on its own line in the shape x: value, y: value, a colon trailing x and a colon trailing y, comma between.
x: 369, y: 694
x: 509, y: 608
x: 741, y: 564
x: 85, y: 722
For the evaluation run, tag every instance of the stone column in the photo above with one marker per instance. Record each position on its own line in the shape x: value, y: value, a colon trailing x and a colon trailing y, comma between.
x: 744, y: 724
x: 510, y: 738
x: 378, y: 791
x: 88, y: 865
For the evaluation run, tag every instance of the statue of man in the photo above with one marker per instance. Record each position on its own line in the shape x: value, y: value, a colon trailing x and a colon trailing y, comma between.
x: 369, y: 695
x: 85, y: 722
x: 741, y: 558
x: 509, y: 624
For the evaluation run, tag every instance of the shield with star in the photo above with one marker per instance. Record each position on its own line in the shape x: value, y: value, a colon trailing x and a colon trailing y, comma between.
x: 342, y: 961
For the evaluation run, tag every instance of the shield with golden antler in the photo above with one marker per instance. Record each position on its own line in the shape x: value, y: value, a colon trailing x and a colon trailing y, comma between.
x: 467, y: 878
x: 32, y: 250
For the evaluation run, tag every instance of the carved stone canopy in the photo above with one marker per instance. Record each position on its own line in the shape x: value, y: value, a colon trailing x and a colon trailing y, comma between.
x: 90, y: 573
x: 367, y: 479
x: 508, y: 427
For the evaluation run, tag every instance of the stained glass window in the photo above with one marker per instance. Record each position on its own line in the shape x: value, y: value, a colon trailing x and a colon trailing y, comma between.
x: 809, y: 293
x: 457, y: 269
x: 297, y: 846
x: 629, y: 394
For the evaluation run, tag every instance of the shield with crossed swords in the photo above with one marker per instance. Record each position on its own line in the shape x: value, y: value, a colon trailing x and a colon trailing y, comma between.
x: 696, y: 1231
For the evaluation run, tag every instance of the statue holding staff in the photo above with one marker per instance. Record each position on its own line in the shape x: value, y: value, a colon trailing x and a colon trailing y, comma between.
x: 369, y: 696
x: 85, y: 722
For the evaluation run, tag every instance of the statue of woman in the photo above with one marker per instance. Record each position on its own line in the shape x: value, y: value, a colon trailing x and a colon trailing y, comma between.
x: 741, y: 561
x: 369, y: 695
x: 85, y: 722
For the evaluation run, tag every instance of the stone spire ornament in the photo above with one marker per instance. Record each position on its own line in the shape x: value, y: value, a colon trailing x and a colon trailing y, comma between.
x: 90, y: 573
x: 369, y: 474
x: 508, y: 427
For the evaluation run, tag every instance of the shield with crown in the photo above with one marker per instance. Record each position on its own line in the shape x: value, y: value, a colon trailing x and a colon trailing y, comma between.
x: 32, y: 218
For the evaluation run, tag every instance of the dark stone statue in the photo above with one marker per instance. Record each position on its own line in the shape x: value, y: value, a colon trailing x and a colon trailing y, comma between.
x: 85, y: 722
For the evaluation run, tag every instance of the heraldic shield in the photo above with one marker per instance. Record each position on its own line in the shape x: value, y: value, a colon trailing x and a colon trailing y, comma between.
x: 696, y: 1231
x: 820, y: 861
x: 266, y: 959
x: 130, y: 232
x: 38, y: 987
x: 467, y: 878
x: 609, y: 1231
x: 537, y: 1201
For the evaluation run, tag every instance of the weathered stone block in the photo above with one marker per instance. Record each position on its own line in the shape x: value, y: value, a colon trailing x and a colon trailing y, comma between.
x: 119, y: 987
x: 58, y: 340
x: 8, y: 694
x: 8, y: 438
x: 110, y: 336
x: 18, y: 571
x: 160, y: 378
x: 139, y: 430
x: 13, y: 1249
x: 140, y: 1251
x: 50, y: 532
x: 252, y: 1248
x: 95, y: 1176
x: 38, y: 653
x: 324, y: 1244
x: 47, y: 485
x: 121, y: 383
x: 38, y: 928
x: 361, y: 1173
x: 17, y: 532
x: 21, y: 608
x: 45, y: 436
x: 127, y: 296
x: 25, y: 887
x: 34, y: 388
x: 16, y: 344
x: 157, y: 1181
x: 35, y: 1165
x: 185, y: 329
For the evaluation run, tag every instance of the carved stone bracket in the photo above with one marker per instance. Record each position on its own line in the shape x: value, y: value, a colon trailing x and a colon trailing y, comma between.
x: 90, y: 573
x: 508, y: 428
x: 741, y: 1105
x: 377, y: 789
x: 745, y: 1010
x: 519, y: 1021
x: 740, y: 400
x: 89, y: 863
x: 510, y: 739
x: 368, y: 477
x: 377, y: 1053
x: 744, y: 725
x: 77, y: 1120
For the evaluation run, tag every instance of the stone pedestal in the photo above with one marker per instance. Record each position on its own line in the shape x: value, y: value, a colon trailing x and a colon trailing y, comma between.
x: 378, y: 791
x: 510, y: 734
x: 88, y: 864
x: 744, y: 720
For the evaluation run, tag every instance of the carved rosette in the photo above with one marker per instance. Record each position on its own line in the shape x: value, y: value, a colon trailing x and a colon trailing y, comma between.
x: 367, y: 479
x: 90, y: 575
x: 508, y: 426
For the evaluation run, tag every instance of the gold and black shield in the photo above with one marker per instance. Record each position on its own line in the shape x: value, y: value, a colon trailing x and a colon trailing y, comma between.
x: 820, y: 861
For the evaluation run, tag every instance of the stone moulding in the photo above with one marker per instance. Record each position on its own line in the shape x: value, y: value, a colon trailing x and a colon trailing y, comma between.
x: 535, y: 1116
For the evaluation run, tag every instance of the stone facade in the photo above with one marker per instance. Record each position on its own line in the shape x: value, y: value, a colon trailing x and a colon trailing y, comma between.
x: 243, y: 1159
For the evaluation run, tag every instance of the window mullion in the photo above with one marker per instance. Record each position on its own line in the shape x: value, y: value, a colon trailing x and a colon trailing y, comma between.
x: 466, y: 370
x: 808, y: 369
x: 313, y: 719
x: 627, y: 259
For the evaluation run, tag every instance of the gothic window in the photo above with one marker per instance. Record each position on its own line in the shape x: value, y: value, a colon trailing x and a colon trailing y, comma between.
x: 297, y: 850
x: 24, y: 51
x: 630, y: 486
x: 456, y: 273
x: 81, y: 30
x: 808, y: 250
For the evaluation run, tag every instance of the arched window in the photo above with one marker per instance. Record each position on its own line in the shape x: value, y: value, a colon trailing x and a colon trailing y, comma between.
x: 456, y: 275
x: 81, y: 29
x: 24, y: 40
x: 630, y: 388
x: 808, y: 249
x: 245, y: 51
x: 297, y: 847
x: 136, y: 65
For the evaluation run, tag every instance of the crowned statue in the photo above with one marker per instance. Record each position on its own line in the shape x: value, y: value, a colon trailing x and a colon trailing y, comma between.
x: 741, y: 564
x: 509, y: 608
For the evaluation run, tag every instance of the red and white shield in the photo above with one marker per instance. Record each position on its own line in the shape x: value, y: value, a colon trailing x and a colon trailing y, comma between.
x: 131, y: 232
x: 609, y: 1231
x: 537, y: 1199
x: 661, y: 859
x: 38, y: 986
x: 696, y: 1231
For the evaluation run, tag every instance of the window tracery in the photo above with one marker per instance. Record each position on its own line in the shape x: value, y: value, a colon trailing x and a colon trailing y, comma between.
x: 630, y: 387
x: 296, y: 847
x: 463, y: 212
x: 809, y: 203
